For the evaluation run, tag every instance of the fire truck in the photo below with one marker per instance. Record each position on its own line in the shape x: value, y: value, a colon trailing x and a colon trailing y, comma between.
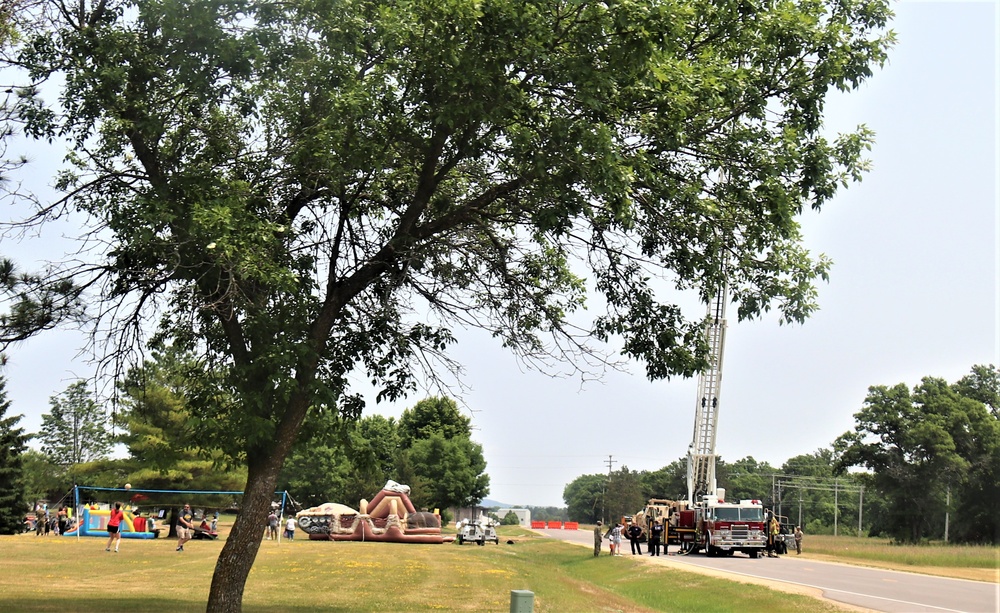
x: 711, y: 524
x: 722, y: 528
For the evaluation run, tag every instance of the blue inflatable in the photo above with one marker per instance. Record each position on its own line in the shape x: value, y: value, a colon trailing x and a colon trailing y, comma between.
x: 94, y: 522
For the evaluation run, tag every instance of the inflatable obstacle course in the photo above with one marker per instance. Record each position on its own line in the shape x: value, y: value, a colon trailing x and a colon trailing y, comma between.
x: 94, y: 522
x: 389, y: 518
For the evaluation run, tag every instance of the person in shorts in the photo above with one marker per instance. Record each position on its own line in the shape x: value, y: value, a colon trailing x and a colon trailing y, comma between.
x: 114, y: 527
x: 185, y: 527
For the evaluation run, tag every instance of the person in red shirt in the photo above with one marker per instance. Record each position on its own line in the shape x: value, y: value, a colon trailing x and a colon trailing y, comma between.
x: 114, y: 527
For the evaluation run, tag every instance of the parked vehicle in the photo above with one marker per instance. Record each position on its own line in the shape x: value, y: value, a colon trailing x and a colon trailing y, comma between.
x: 480, y: 531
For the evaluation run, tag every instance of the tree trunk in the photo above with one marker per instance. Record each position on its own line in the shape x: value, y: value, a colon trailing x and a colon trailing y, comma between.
x: 240, y: 550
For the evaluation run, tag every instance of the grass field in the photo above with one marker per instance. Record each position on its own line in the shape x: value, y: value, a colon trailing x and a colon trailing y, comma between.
x: 66, y: 574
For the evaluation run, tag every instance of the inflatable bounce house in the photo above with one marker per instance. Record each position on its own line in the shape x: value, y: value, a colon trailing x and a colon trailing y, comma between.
x: 94, y: 522
x: 389, y: 518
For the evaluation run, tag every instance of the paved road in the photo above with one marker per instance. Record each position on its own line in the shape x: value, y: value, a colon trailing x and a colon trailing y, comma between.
x: 874, y: 589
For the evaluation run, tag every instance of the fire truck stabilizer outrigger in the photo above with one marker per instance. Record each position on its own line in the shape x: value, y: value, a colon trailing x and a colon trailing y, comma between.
x: 710, y: 523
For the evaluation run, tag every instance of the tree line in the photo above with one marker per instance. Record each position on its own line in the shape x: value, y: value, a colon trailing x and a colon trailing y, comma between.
x: 914, y: 458
x: 428, y: 448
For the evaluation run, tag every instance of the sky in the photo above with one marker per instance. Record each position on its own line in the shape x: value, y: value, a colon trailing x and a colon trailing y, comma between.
x: 913, y: 293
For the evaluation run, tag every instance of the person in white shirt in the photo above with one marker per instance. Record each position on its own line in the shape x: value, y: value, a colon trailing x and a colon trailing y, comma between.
x: 290, y: 529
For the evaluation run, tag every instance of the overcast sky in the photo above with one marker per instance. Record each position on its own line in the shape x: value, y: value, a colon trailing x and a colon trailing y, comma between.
x: 913, y: 293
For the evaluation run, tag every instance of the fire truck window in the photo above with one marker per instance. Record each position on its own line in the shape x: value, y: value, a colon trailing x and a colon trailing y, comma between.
x: 752, y: 514
x: 727, y: 514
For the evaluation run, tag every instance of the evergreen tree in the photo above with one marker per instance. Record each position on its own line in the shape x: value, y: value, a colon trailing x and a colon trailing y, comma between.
x: 13, y: 442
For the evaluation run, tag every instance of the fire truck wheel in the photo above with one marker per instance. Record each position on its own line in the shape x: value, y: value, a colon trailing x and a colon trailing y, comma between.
x: 753, y: 553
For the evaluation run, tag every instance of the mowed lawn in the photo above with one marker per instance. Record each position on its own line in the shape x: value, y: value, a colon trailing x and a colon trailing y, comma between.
x: 69, y: 574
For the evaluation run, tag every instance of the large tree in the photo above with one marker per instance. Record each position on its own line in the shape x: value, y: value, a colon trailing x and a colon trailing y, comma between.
x: 980, y: 445
x: 156, y: 411
x: 438, y: 452
x: 312, y: 189
x: 13, y: 443
x: 918, y: 446
x: 76, y: 429
x: 585, y: 498
x: 453, y: 471
x: 433, y: 415
x: 624, y: 494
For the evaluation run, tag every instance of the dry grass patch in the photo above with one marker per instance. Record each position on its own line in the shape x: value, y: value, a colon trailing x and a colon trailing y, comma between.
x: 58, y: 574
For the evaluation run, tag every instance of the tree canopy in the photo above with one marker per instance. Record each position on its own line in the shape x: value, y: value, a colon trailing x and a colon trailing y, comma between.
x: 430, y: 449
x: 307, y: 190
x: 925, y: 446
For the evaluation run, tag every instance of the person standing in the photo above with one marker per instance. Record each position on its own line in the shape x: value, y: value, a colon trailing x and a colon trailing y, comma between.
x: 772, y: 536
x: 62, y: 519
x: 598, y: 539
x: 798, y: 540
x: 655, y: 537
x: 290, y: 529
x: 185, y: 527
x: 634, y: 534
x: 272, y: 526
x: 615, y: 536
x: 114, y: 527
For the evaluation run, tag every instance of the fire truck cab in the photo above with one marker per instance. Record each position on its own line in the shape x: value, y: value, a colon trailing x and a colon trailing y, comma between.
x: 723, y: 528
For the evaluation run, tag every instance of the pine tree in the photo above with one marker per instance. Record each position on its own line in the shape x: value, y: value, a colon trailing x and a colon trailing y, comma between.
x: 13, y: 442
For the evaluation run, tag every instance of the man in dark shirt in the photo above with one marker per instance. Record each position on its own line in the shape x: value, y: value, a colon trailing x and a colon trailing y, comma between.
x: 655, y: 536
x: 185, y: 527
x: 634, y: 534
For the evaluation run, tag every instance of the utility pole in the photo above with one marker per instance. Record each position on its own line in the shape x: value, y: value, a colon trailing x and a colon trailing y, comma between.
x: 861, y: 505
x: 604, y: 494
x: 836, y: 491
x: 947, y: 508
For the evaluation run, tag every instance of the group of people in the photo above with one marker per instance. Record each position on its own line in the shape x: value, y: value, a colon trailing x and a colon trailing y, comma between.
x: 186, y: 526
x: 43, y: 523
x: 773, y: 530
x: 272, y: 527
x: 633, y: 533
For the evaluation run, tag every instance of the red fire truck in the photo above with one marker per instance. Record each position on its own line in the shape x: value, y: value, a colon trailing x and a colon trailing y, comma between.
x: 723, y: 528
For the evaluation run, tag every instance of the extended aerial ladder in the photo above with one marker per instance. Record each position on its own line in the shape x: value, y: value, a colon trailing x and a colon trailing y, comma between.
x: 701, y: 453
